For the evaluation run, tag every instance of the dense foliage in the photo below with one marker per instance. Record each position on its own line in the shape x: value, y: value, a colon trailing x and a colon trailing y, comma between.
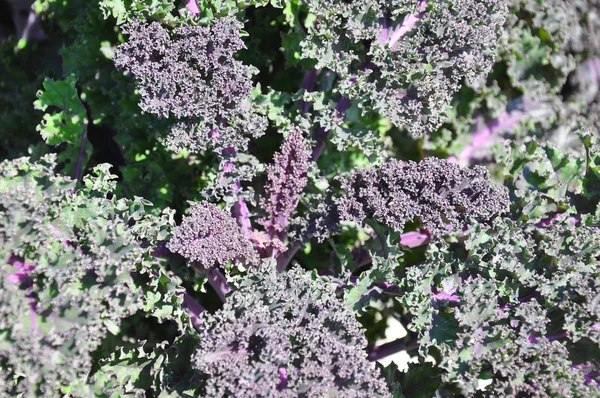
x: 240, y: 198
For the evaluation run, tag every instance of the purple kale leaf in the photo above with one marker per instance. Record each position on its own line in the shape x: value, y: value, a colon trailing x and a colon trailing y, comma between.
x: 191, y: 74
x: 209, y: 236
x: 287, y: 178
x: 406, y: 59
x: 437, y: 193
x: 284, y: 335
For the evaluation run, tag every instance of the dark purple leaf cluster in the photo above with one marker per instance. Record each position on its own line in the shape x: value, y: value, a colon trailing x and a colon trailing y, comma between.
x: 287, y: 177
x: 435, y: 192
x: 209, y: 236
x: 190, y: 73
x: 284, y: 335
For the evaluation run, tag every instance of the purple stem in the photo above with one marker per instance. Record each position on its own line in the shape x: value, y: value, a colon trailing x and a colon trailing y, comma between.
x: 391, y: 348
x: 283, y: 379
x: 409, y: 23
x: 414, y: 239
x: 239, y: 210
x: 558, y: 336
x: 589, y: 374
x: 446, y: 295
x: 521, y: 300
x: 192, y: 6
x: 81, y: 154
x: 217, y: 280
x: 383, y: 36
x: 590, y: 377
x: 322, y: 135
x: 160, y: 250
x: 22, y: 276
x: 284, y: 258
x: 409, y: 239
x: 549, y: 221
x: 308, y: 83
x: 242, y: 215
x: 32, y: 29
x: 507, y: 120
x: 193, y: 308
x: 57, y: 233
x: 274, y: 251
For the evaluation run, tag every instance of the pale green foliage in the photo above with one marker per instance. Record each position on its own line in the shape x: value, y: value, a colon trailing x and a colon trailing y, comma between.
x: 68, y: 126
x: 125, y: 10
x: 85, y: 271
x: 517, y: 305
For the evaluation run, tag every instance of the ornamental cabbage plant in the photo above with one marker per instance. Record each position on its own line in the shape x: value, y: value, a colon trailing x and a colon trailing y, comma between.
x: 300, y: 198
